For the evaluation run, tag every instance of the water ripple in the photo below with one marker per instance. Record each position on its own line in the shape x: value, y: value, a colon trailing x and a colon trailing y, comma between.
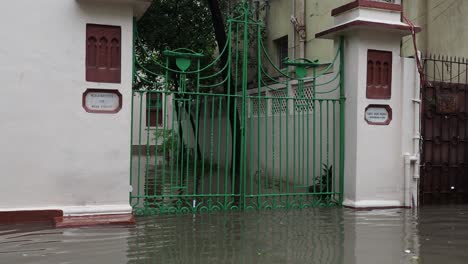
x: 335, y: 236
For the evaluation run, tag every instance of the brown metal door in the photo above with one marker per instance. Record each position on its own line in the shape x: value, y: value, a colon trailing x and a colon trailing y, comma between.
x: 444, y: 173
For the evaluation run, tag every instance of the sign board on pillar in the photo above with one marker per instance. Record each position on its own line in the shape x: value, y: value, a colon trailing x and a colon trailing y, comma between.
x: 102, y: 101
x: 378, y: 115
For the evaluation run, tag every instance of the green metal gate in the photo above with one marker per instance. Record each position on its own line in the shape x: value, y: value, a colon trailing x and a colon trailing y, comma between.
x: 231, y: 136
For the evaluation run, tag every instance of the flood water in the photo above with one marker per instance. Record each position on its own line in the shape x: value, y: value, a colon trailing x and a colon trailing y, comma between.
x: 429, y: 235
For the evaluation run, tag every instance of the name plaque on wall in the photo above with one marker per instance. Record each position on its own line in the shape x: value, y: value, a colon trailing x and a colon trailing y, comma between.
x: 378, y: 115
x: 102, y: 101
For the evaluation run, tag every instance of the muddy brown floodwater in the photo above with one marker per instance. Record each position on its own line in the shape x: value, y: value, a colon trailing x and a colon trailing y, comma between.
x: 429, y: 235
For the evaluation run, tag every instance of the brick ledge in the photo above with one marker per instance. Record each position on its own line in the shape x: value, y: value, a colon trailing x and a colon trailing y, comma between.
x: 93, y: 220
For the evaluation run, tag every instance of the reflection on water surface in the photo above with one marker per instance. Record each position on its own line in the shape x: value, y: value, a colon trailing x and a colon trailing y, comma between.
x: 332, y: 235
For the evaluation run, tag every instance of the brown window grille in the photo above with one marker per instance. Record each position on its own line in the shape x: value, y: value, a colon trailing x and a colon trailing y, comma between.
x: 379, y: 74
x: 103, y: 53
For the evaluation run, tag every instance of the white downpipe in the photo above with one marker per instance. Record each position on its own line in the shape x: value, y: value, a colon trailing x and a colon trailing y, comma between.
x: 302, y: 20
x: 412, y: 180
x: 294, y: 31
x: 417, y: 136
x: 407, y: 179
x: 299, y: 27
x: 415, y: 191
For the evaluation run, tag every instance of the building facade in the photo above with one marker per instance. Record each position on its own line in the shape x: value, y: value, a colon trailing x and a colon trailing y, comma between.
x: 298, y: 21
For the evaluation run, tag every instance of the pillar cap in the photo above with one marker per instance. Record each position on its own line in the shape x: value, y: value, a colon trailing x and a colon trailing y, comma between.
x: 366, y: 4
x: 365, y: 14
x: 139, y: 6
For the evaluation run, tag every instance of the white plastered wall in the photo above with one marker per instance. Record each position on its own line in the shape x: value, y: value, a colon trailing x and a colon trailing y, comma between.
x: 55, y: 155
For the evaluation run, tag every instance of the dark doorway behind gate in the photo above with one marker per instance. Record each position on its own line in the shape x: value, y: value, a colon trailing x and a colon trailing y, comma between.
x: 444, y: 172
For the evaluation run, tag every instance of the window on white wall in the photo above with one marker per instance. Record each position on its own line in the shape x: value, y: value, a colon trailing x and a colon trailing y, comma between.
x: 282, y: 51
x: 154, y: 111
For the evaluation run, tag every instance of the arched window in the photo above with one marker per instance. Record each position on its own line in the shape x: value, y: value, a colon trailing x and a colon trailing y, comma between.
x: 115, y: 54
x: 91, y: 47
x: 378, y: 74
x: 386, y: 75
x: 103, y: 53
x: 370, y: 69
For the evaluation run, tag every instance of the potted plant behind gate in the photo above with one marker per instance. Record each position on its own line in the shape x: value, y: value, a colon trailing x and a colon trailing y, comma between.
x: 166, y: 144
x: 323, y: 184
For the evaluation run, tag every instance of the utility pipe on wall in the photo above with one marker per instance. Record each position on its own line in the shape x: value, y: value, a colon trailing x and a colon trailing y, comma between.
x: 412, y: 181
x: 298, y: 21
x: 410, y: 188
x: 302, y: 30
x: 294, y: 31
x: 417, y: 134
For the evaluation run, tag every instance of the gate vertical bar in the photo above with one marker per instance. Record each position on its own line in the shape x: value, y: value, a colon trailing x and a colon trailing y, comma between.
x: 131, y: 110
x: 259, y: 80
x: 197, y: 146
x: 165, y: 90
x: 342, y: 120
x: 229, y: 74
x: 244, y: 96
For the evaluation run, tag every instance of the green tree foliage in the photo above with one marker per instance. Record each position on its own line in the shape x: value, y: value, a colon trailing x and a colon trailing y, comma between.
x: 173, y: 24
x: 170, y: 24
x: 198, y: 25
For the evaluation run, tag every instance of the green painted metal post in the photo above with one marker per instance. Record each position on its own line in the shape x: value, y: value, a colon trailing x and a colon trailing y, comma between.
x: 259, y: 84
x: 226, y: 155
x: 245, y: 65
x: 131, y: 109
x: 342, y: 120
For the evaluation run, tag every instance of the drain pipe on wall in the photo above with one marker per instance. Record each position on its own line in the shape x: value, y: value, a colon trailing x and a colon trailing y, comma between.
x: 417, y: 134
x: 294, y: 31
x: 298, y: 21
x: 412, y: 180
x: 301, y: 28
x: 412, y: 183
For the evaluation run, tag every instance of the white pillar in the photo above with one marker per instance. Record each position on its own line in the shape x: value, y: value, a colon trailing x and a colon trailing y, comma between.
x: 374, y: 175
